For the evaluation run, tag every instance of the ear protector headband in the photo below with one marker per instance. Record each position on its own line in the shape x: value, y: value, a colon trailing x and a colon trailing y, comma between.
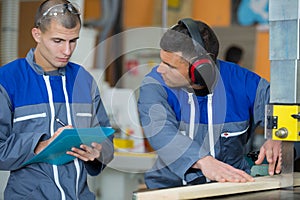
x: 202, y: 69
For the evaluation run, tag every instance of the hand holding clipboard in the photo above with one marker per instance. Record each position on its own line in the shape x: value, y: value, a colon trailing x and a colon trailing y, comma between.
x: 55, y: 152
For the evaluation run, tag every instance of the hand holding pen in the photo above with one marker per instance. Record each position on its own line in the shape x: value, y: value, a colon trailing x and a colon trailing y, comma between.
x: 41, y: 145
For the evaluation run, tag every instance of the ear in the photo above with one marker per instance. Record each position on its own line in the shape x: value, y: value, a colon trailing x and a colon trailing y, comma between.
x: 36, y: 34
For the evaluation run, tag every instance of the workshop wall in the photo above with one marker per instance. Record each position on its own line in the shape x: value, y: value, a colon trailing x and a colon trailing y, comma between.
x: 26, y: 23
x: 214, y: 14
x: 262, y: 63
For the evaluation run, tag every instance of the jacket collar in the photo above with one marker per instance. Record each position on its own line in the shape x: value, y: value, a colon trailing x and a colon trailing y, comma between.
x: 38, y: 69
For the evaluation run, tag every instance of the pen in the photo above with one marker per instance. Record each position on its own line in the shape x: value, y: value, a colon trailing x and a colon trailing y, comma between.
x: 60, y: 122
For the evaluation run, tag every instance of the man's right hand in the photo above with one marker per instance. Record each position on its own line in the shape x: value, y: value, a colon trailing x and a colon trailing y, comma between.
x: 42, y: 145
x: 216, y: 170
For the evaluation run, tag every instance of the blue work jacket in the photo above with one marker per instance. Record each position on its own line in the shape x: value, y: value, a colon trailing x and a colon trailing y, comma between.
x: 183, y: 128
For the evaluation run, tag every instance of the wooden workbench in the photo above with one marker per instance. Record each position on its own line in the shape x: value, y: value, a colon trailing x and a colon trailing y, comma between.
x: 214, y: 189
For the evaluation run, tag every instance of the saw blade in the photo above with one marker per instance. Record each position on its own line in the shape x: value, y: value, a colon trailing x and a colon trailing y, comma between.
x: 287, y: 165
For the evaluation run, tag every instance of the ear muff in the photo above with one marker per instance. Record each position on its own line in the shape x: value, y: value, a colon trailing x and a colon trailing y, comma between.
x: 202, y: 69
x: 202, y: 72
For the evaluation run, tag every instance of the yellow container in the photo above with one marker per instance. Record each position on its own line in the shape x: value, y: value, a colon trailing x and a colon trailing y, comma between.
x: 120, y: 143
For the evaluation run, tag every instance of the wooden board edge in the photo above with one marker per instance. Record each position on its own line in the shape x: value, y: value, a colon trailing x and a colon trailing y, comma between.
x: 214, y: 189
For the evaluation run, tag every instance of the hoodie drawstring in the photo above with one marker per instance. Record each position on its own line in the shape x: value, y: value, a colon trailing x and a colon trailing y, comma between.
x: 76, y: 163
x: 210, y: 123
x: 210, y: 127
x: 52, y: 110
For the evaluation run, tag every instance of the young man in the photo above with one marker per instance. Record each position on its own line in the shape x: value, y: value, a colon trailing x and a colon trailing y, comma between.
x: 197, y: 112
x: 34, y: 92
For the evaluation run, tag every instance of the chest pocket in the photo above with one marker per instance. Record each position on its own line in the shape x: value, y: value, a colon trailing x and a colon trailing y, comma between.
x: 228, y: 134
x: 29, y: 118
x: 83, y: 115
x: 84, y: 119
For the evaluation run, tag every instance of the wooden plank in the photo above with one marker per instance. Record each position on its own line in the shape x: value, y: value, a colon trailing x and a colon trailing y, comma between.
x: 214, y: 189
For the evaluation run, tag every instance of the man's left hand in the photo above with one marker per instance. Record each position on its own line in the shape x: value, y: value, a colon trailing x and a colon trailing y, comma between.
x: 271, y: 149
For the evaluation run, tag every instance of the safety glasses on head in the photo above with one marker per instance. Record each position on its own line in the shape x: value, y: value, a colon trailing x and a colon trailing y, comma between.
x: 60, y: 9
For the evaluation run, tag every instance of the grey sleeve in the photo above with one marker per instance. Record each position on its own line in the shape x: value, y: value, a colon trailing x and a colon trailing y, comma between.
x: 176, y: 151
x: 15, y: 149
x: 261, y: 100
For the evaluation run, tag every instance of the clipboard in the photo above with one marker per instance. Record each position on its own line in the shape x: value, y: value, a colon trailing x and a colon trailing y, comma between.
x: 55, y: 152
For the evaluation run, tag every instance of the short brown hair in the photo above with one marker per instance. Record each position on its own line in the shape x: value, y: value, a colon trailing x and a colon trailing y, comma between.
x: 67, y: 20
x: 178, y: 39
